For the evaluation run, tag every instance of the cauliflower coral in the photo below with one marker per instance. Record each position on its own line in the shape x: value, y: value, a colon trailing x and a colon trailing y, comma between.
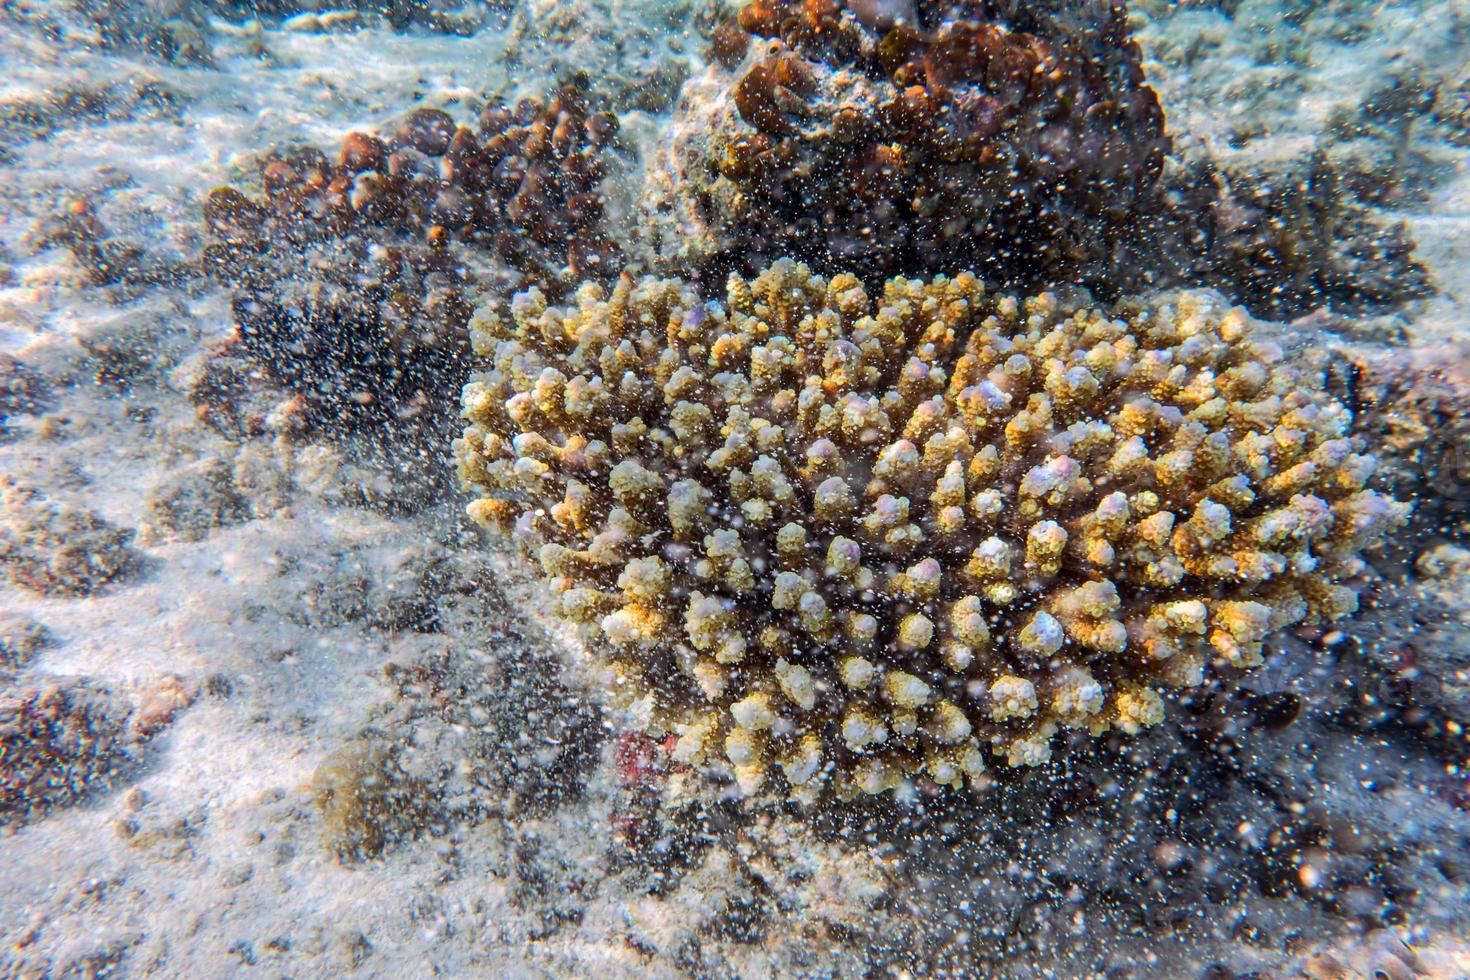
x: 850, y: 539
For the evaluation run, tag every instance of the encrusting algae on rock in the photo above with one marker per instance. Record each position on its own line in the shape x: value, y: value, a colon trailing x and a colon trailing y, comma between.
x: 851, y: 538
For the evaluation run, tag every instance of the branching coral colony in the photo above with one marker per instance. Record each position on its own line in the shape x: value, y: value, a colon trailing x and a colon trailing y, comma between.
x: 848, y: 539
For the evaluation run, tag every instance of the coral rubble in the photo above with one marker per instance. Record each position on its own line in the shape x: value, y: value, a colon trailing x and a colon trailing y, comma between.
x: 480, y: 706
x: 859, y: 537
x: 58, y: 741
x: 1419, y: 672
x: 1283, y: 239
x: 354, y: 276
x: 1016, y: 142
x: 57, y: 548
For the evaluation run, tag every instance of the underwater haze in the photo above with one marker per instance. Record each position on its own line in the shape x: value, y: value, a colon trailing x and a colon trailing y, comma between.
x: 692, y: 488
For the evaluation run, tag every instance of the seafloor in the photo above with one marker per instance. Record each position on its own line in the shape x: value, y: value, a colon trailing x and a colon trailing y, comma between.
x: 213, y: 635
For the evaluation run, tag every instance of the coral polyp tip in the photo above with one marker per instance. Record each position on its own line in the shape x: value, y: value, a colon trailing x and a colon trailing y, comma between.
x: 838, y: 540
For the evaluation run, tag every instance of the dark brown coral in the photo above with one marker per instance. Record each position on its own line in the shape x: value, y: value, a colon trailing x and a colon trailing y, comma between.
x: 1019, y: 141
x: 1284, y: 239
x: 1011, y: 144
x: 1414, y: 408
x: 728, y: 43
x: 355, y: 276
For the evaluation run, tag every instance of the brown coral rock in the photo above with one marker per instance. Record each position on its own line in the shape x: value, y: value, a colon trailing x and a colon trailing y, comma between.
x: 354, y: 278
x: 1016, y: 145
x: 859, y: 537
x: 59, y: 741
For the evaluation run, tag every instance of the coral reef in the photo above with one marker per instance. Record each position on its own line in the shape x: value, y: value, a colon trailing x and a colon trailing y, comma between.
x: 1293, y: 164
x: 83, y: 102
x: 56, y: 548
x: 58, y: 742
x: 1019, y: 142
x: 1016, y: 140
x: 861, y: 536
x: 354, y: 277
x: 1212, y: 816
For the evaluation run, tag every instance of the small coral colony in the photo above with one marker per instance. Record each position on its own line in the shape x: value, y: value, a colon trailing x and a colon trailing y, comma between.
x: 855, y: 460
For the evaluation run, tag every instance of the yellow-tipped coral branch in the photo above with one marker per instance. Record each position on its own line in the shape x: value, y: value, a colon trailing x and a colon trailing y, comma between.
x: 849, y: 539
